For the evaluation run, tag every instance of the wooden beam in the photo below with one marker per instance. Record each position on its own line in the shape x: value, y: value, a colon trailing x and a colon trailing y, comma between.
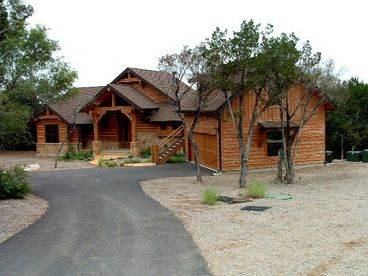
x: 95, y: 128
x: 129, y: 115
x: 134, y: 127
x: 112, y: 99
x: 129, y: 80
x: 48, y: 117
x: 99, y: 117
x: 102, y: 110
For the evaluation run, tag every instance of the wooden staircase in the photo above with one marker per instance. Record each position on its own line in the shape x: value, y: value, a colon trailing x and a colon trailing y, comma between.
x: 162, y: 151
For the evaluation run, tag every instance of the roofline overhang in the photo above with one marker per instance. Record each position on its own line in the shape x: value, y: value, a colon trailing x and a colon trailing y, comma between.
x: 109, y: 86
x: 130, y: 70
x: 47, y: 106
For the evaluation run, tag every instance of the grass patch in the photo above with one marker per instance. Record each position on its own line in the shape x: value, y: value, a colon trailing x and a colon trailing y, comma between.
x: 83, y: 155
x: 177, y: 158
x: 13, y: 183
x: 107, y: 163
x: 210, y: 196
x: 257, y: 189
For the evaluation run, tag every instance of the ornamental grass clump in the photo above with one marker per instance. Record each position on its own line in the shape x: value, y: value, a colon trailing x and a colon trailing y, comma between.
x: 210, y: 196
x: 257, y: 189
x: 13, y: 183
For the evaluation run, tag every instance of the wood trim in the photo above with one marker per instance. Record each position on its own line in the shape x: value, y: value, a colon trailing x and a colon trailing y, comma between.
x: 129, y: 80
x: 102, y: 110
x: 95, y: 127
x: 48, y: 117
x: 134, y: 126
x: 113, y: 102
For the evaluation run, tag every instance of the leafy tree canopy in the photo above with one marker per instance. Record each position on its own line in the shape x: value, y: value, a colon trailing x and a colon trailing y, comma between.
x: 347, y: 127
x: 31, y: 73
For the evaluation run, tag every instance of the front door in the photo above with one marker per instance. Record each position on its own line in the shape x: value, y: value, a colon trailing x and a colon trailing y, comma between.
x: 124, y: 131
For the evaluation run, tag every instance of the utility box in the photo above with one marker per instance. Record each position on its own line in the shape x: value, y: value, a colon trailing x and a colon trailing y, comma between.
x: 328, y: 156
x: 365, y: 156
x: 353, y: 156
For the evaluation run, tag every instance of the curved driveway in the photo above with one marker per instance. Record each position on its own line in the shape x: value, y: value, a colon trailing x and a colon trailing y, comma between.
x: 100, y: 222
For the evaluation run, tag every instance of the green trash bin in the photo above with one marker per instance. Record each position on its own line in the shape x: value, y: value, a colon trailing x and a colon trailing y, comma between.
x: 365, y: 156
x: 353, y: 156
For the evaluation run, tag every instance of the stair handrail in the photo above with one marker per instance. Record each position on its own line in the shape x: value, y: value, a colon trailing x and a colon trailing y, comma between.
x: 172, y: 135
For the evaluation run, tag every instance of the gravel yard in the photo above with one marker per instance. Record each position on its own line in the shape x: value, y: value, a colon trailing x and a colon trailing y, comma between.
x: 18, y: 214
x: 11, y: 158
x: 322, y: 230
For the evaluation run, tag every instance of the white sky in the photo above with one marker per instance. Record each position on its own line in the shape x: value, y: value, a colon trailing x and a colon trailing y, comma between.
x: 101, y: 38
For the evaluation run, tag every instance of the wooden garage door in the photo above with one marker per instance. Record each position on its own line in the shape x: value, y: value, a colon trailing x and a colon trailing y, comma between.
x: 208, y: 150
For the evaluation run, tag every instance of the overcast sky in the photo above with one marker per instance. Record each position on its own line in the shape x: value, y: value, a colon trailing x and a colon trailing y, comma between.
x: 101, y: 38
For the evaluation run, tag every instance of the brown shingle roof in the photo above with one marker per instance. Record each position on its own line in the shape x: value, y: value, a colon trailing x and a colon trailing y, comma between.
x: 164, y: 114
x: 269, y: 125
x: 133, y: 96
x: 65, y: 108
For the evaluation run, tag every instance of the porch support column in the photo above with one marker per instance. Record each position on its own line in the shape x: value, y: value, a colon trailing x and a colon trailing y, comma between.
x: 134, y: 126
x: 134, y: 145
x: 96, y: 144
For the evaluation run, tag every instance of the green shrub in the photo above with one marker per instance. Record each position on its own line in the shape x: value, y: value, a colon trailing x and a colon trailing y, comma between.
x: 13, y: 183
x: 177, y: 158
x: 257, y: 189
x: 84, y: 155
x: 210, y: 196
x: 146, y: 153
x: 107, y: 163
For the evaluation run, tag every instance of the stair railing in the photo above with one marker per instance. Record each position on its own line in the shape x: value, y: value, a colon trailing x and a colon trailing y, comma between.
x: 166, y: 143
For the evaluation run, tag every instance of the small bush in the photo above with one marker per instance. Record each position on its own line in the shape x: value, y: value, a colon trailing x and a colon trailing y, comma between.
x: 84, y: 155
x: 210, y: 196
x: 13, y: 183
x: 256, y: 189
x: 107, y: 163
x: 177, y: 158
x: 146, y: 153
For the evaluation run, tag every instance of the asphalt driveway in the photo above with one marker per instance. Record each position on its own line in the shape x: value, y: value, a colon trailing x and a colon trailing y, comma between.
x: 100, y: 222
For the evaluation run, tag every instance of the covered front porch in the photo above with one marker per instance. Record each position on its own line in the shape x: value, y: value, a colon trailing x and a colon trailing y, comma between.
x: 114, y: 122
x: 114, y: 130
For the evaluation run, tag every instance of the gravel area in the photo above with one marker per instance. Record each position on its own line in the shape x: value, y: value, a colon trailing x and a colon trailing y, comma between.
x: 18, y: 214
x: 11, y: 158
x: 322, y: 230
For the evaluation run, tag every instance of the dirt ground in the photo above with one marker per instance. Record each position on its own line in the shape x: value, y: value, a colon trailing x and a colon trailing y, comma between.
x: 11, y: 158
x: 322, y: 230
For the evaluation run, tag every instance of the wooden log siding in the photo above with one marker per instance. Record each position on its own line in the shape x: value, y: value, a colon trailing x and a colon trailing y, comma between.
x: 310, y: 150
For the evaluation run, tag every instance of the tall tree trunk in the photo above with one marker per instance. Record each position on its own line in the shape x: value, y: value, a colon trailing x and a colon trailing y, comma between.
x: 279, y: 166
x: 342, y: 147
x: 196, y: 155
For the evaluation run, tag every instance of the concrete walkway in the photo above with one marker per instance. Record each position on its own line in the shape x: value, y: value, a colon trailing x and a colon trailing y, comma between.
x: 101, y: 223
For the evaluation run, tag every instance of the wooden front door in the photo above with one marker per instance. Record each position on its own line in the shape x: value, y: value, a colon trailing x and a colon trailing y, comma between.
x: 125, y: 130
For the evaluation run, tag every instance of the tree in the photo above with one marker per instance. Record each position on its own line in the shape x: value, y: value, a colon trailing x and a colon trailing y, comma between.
x: 188, y: 65
x: 296, y: 68
x: 347, y: 127
x: 239, y: 66
x: 31, y: 74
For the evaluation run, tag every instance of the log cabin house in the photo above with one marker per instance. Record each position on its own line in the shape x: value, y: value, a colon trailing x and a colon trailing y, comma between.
x: 133, y: 113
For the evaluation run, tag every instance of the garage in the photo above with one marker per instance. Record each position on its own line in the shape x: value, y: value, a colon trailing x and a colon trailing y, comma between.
x: 208, y: 150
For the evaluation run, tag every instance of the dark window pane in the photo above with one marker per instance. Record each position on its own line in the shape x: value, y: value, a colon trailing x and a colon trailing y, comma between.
x: 52, y: 133
x: 274, y: 143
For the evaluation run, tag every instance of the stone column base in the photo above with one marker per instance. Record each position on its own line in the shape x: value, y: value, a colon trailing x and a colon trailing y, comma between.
x: 96, y: 147
x: 135, y: 150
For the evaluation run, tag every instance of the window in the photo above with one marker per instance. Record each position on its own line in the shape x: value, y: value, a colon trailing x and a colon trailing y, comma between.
x: 52, y: 133
x: 274, y: 142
